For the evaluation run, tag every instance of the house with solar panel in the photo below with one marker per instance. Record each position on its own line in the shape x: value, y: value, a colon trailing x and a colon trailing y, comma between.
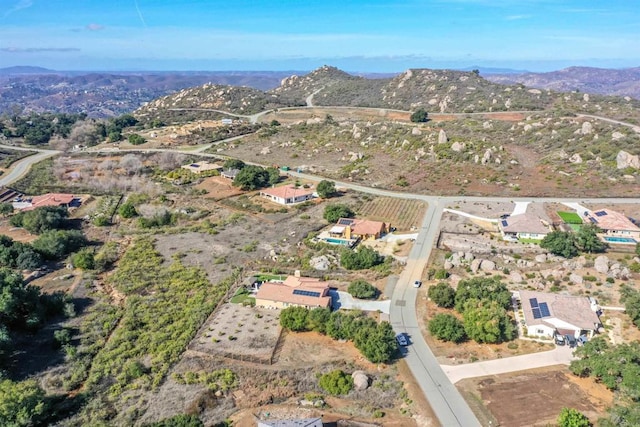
x: 548, y: 314
x: 524, y: 226
x: 348, y: 231
x: 616, y: 226
x: 294, y: 291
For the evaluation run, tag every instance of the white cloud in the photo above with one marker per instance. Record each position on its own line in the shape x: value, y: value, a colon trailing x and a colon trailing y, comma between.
x: 21, y: 4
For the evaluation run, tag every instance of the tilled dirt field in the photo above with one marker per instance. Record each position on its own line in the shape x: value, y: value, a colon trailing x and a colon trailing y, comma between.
x: 536, y: 397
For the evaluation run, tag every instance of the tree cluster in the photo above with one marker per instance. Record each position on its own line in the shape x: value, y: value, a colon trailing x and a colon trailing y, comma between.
x: 631, y: 300
x: 253, y: 177
x: 39, y: 220
x: 362, y: 289
x: 326, y: 189
x: 336, y: 382
x: 618, y: 368
x: 483, y: 303
x: 568, y: 244
x: 37, y: 129
x: 376, y: 341
x: 360, y: 259
x: 419, y: 116
x: 332, y: 213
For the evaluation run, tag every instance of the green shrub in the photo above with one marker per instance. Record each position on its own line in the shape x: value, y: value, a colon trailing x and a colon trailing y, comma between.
x: 336, y: 382
x: 362, y: 289
x: 447, y: 327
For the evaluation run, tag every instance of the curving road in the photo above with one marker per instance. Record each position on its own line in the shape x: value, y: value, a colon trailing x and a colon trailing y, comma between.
x: 22, y: 166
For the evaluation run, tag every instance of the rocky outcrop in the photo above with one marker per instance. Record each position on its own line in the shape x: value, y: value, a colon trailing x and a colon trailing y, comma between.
x: 321, y: 263
x: 457, y: 147
x: 576, y: 279
x: 487, y: 265
x: 442, y: 137
x: 360, y: 380
x: 576, y: 158
x: 625, y: 160
x: 587, y: 128
x: 601, y: 264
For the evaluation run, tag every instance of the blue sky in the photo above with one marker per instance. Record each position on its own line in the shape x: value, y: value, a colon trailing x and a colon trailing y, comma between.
x: 375, y: 35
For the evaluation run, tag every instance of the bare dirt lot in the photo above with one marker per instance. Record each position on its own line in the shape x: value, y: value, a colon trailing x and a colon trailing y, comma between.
x: 218, y: 188
x: 534, y: 398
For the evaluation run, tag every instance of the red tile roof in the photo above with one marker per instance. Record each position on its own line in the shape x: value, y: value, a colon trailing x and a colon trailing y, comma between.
x: 607, y: 219
x: 50, y: 199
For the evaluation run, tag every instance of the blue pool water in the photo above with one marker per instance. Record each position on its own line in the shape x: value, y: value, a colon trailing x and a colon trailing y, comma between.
x: 337, y: 241
x: 627, y: 240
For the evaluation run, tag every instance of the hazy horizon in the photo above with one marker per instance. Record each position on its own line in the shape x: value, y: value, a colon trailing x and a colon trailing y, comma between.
x: 364, y: 36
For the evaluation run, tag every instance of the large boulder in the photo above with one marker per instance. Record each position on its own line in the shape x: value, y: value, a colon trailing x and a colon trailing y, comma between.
x: 487, y: 265
x: 321, y: 263
x: 587, y: 128
x: 475, y: 265
x: 360, y: 380
x: 601, y: 264
x: 442, y: 137
x: 576, y: 279
x: 625, y: 160
x: 541, y: 258
x: 515, y: 277
x: 457, y: 147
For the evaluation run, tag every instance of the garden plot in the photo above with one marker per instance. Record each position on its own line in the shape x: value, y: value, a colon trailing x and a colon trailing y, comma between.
x: 237, y: 332
x: 400, y: 213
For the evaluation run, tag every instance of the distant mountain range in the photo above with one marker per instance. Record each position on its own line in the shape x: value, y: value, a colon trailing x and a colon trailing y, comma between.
x: 623, y: 82
x: 109, y: 94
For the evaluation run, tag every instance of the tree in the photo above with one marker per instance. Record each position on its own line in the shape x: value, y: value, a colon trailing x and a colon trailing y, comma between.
x: 233, y: 164
x: 447, y: 327
x: 443, y: 295
x: 55, y: 244
x: 136, y: 139
x: 21, y: 403
x: 361, y: 259
x: 127, y: 210
x: 294, y: 318
x: 326, y: 189
x: 274, y: 176
x: 485, y: 321
x: 631, y: 300
x: 332, y: 213
x: 587, y: 239
x: 6, y: 209
x: 84, y: 259
x: 570, y: 417
x: 362, y: 289
x: 560, y: 243
x: 84, y: 133
x: 376, y: 342
x: 477, y: 288
x: 41, y: 219
x: 251, y: 177
x: 317, y: 319
x: 336, y: 382
x: 420, y: 116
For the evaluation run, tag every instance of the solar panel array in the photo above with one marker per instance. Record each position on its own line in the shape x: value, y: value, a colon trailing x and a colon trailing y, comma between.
x: 306, y: 293
x: 593, y: 220
x: 539, y: 310
x: 601, y: 213
x: 345, y: 221
x: 504, y: 223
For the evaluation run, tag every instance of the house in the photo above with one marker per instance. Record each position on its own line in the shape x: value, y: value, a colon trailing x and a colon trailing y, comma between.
x: 300, y: 422
x: 8, y: 195
x: 202, y: 167
x: 49, y: 199
x: 226, y: 121
x: 523, y: 226
x: 287, y: 194
x: 230, y: 173
x: 363, y: 229
x: 294, y: 291
x: 613, y: 224
x: 547, y: 314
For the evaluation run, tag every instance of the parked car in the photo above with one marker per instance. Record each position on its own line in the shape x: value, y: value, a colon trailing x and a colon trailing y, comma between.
x: 560, y: 340
x: 571, y: 340
x: 402, y: 340
x: 417, y: 284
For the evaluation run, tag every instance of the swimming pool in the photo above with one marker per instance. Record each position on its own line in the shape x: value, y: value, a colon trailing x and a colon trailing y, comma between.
x: 338, y: 241
x: 622, y: 240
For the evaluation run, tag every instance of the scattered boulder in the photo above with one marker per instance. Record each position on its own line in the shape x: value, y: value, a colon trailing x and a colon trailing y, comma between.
x: 265, y: 151
x: 468, y: 256
x: 576, y: 158
x: 360, y: 380
x: 576, y: 279
x: 625, y: 160
x: 541, y: 258
x: 601, y: 264
x: 416, y: 131
x: 617, y: 135
x: 487, y: 265
x: 448, y: 265
x: 587, y: 128
x: 475, y: 265
x: 321, y: 263
x: 515, y: 277
x: 442, y: 137
x: 457, y: 147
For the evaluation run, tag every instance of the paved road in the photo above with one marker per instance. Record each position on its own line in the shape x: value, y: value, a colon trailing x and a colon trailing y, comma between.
x: 22, y: 166
x: 561, y: 355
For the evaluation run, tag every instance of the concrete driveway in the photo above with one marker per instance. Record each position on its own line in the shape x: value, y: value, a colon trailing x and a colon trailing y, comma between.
x: 561, y: 355
x: 345, y: 300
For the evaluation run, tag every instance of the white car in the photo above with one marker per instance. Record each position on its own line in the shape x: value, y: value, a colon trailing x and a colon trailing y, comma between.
x: 417, y: 284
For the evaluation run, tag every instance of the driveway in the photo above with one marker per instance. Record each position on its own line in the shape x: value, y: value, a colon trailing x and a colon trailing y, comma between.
x: 345, y: 300
x: 561, y: 355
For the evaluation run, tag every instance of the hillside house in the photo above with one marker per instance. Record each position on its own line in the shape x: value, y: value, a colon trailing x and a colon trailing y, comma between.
x: 200, y: 167
x: 547, y: 314
x: 363, y: 229
x: 294, y: 291
x: 523, y: 226
x: 613, y: 224
x: 287, y: 194
x: 230, y: 173
x: 49, y: 199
